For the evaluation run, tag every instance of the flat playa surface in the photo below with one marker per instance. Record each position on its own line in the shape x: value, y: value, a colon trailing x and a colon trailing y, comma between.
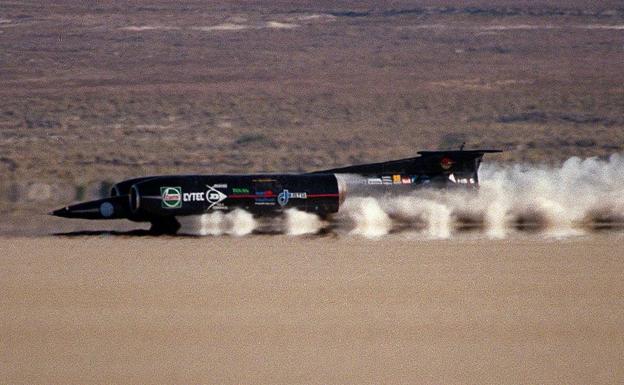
x: 287, y: 310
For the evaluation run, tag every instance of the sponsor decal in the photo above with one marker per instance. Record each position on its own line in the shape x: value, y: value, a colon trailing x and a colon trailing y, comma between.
x: 284, y: 196
x: 396, y: 179
x: 171, y: 197
x: 240, y: 190
x: 265, y: 198
x: 406, y: 180
x: 446, y: 163
x: 215, y: 197
x: 193, y: 197
x: 422, y: 179
x: 386, y: 179
x: 465, y: 181
x: 374, y: 181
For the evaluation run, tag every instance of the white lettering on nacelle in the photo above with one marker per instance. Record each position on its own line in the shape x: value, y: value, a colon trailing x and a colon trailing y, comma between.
x: 193, y: 197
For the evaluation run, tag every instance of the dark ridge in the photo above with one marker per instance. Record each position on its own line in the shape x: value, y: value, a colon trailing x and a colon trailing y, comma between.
x: 491, y: 11
x: 42, y: 123
x: 525, y: 117
x: 399, y: 12
x: 585, y: 143
x: 542, y: 117
x: 587, y: 119
x: 478, y: 11
x: 349, y: 14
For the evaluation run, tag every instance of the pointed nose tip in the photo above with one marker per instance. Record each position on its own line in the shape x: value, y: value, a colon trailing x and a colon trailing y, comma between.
x: 60, y: 212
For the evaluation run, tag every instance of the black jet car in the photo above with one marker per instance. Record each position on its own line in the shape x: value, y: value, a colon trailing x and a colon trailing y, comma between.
x: 160, y: 199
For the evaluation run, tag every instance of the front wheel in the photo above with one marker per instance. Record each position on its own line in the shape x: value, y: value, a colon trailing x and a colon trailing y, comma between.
x: 165, y: 226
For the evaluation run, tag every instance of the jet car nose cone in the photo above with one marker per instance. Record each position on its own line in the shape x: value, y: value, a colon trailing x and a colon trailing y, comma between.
x: 60, y: 212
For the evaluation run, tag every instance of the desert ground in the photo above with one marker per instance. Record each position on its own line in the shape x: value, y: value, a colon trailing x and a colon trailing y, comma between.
x: 285, y: 310
x: 91, y: 95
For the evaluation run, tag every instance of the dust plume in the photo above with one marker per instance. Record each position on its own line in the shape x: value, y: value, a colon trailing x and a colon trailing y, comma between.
x: 576, y: 197
x: 237, y: 223
x: 367, y: 217
x: 300, y: 223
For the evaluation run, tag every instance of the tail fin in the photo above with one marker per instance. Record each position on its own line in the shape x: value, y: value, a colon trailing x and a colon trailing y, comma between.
x: 460, y: 166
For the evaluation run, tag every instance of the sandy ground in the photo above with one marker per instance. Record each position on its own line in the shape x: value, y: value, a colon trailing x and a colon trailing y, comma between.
x: 284, y: 310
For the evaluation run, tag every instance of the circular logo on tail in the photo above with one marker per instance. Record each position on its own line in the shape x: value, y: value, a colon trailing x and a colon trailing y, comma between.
x: 446, y: 163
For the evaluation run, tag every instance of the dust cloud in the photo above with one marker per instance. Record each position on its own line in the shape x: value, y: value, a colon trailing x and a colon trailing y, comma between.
x: 579, y: 196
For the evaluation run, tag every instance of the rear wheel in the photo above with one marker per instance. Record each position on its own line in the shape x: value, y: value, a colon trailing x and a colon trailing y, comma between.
x: 166, y: 225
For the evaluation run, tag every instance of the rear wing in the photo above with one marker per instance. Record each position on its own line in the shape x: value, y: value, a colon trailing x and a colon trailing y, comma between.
x: 458, y: 166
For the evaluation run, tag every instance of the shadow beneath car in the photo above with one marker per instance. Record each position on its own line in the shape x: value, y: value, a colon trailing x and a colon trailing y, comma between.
x: 129, y: 233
